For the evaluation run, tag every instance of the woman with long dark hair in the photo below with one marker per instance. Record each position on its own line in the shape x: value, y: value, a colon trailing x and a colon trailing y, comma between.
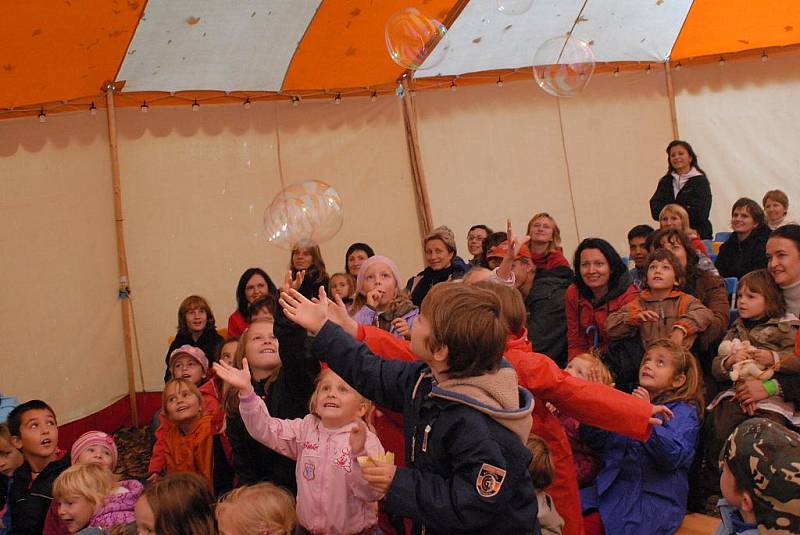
x: 685, y: 183
x: 253, y: 283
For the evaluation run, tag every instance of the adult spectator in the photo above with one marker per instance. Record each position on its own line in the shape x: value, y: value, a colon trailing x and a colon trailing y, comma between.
x: 475, y: 237
x: 356, y: 254
x: 253, y: 284
x: 440, y: 257
x: 776, y: 208
x: 745, y: 249
x: 685, y: 184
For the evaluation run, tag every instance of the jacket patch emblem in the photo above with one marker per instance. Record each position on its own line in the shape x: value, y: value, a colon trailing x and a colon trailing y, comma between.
x: 490, y: 479
x: 308, y: 471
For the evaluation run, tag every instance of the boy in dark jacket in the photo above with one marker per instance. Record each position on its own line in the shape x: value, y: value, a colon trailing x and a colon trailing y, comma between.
x: 466, y: 419
x: 33, y: 429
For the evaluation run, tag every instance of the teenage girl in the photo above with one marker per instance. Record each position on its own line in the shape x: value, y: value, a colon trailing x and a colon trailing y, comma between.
x: 643, y: 485
x: 309, y: 262
x: 283, y: 377
x: 332, y: 495
x: 379, y: 299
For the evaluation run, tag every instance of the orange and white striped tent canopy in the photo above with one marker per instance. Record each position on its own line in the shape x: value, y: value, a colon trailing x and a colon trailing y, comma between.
x: 60, y: 54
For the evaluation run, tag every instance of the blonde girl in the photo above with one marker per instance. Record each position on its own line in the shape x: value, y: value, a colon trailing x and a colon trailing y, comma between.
x: 255, y: 510
x: 332, y: 495
x: 588, y: 367
x: 189, y: 444
x: 380, y: 300
x: 676, y: 217
x: 80, y: 491
x: 645, y: 483
x: 282, y: 376
x: 545, y: 246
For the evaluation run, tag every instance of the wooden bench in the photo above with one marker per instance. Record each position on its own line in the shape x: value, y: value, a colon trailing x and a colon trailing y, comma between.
x: 697, y: 524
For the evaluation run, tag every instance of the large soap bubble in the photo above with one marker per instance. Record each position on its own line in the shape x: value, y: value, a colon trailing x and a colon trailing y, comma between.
x: 303, y: 215
x: 412, y: 39
x: 513, y: 7
x: 563, y: 66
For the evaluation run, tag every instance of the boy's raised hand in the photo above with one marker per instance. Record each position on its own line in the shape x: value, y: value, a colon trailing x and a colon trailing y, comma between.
x: 239, y: 379
x: 337, y: 313
x: 310, y: 316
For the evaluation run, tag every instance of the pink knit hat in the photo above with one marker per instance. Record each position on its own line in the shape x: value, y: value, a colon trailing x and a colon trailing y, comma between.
x: 375, y: 260
x: 94, y: 438
x: 195, y: 352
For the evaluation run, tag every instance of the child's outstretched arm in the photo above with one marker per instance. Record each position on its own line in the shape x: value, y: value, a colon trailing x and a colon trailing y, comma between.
x: 384, y: 382
x: 275, y: 433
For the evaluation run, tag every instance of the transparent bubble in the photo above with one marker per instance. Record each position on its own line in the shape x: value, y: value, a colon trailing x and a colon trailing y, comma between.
x: 412, y: 39
x: 303, y: 215
x: 514, y: 7
x: 563, y: 66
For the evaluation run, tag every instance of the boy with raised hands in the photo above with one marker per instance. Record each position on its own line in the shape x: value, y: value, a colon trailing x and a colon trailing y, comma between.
x: 466, y: 419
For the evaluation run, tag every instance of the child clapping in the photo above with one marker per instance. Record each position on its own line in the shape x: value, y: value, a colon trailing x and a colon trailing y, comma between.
x: 332, y: 496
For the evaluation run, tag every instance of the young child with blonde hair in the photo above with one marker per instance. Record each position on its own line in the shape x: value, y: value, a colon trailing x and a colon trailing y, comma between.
x: 588, y: 367
x: 189, y: 444
x: 332, y: 495
x: 255, y: 510
x: 81, y: 492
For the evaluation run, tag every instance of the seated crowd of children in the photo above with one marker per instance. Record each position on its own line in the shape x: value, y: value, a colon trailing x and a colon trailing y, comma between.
x: 506, y: 394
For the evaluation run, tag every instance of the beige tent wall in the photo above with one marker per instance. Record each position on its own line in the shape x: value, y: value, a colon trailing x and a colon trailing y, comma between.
x: 196, y: 184
x: 493, y: 152
x: 742, y: 120
x: 60, y: 326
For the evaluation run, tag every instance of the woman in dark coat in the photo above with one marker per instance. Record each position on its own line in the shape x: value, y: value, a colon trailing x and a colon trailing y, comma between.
x: 746, y: 249
x: 685, y: 184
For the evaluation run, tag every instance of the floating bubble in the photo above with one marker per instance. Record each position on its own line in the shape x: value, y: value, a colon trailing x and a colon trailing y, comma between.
x: 563, y: 66
x: 513, y: 7
x: 303, y: 215
x: 414, y: 40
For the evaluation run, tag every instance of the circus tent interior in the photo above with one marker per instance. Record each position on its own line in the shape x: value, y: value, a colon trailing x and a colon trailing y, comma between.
x: 144, y: 140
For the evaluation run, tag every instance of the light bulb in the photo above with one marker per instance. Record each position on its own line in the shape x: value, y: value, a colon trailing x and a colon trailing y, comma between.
x: 93, y: 109
x: 295, y: 101
x: 678, y: 67
x: 195, y: 105
x: 499, y: 82
x: 453, y: 86
x: 337, y: 99
x: 648, y: 70
x: 247, y: 103
x: 42, y: 116
x: 764, y: 57
x: 616, y: 72
x: 721, y: 61
x: 374, y: 96
x: 144, y: 107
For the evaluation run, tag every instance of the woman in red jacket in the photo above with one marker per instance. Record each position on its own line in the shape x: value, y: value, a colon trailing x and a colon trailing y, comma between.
x: 602, y: 285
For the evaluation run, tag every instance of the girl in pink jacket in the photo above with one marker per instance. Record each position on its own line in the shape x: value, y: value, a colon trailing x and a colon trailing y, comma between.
x: 332, y: 496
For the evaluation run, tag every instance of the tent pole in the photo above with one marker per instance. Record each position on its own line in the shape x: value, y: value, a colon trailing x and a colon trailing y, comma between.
x: 122, y: 257
x: 671, y: 96
x: 414, y: 154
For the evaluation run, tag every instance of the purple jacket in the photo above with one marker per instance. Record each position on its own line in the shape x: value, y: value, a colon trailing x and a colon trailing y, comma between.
x: 368, y: 316
x: 118, y: 507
